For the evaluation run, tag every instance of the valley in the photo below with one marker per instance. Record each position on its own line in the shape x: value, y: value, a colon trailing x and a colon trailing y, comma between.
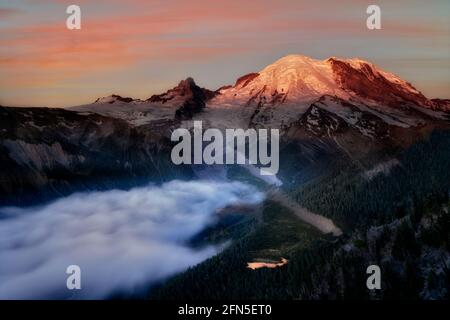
x: 363, y: 179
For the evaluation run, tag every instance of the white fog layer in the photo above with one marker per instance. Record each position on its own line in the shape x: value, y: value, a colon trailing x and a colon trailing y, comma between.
x: 120, y: 239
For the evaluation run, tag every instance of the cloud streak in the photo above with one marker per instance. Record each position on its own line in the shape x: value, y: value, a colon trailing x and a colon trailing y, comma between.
x: 175, y: 39
x: 122, y: 240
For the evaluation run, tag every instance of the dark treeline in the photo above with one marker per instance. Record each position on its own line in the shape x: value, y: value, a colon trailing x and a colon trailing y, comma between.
x: 399, y: 221
x: 352, y: 200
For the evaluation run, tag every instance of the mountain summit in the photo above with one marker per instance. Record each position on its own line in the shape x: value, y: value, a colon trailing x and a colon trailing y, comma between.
x: 281, y: 93
x: 185, y: 90
x: 297, y: 78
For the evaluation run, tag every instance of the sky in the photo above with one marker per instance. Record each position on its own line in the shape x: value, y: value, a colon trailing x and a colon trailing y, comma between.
x: 142, y: 47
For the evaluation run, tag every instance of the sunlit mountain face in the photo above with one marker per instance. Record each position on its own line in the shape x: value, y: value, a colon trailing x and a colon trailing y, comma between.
x: 91, y: 187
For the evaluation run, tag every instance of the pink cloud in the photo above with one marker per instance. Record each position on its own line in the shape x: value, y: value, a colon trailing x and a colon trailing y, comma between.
x: 46, y: 53
x: 8, y: 12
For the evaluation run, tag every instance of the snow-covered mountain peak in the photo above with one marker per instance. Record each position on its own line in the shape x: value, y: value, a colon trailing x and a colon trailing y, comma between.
x: 298, y: 76
x: 296, y: 79
x: 291, y: 79
x: 281, y: 93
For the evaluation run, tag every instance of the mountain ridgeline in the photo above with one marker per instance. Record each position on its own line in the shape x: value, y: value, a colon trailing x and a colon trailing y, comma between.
x: 359, y: 145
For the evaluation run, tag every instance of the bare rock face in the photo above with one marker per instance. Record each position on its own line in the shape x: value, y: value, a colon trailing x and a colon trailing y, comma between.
x: 187, y: 97
x: 113, y: 99
x: 441, y: 104
x: 195, y: 99
x: 45, y: 153
x: 183, y: 89
x: 245, y: 80
x: 365, y: 80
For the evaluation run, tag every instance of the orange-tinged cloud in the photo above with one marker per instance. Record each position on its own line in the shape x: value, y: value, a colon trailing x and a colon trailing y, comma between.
x: 114, y: 42
x: 45, y: 54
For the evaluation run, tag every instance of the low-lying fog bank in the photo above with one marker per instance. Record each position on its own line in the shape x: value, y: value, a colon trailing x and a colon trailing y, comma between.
x: 120, y: 239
